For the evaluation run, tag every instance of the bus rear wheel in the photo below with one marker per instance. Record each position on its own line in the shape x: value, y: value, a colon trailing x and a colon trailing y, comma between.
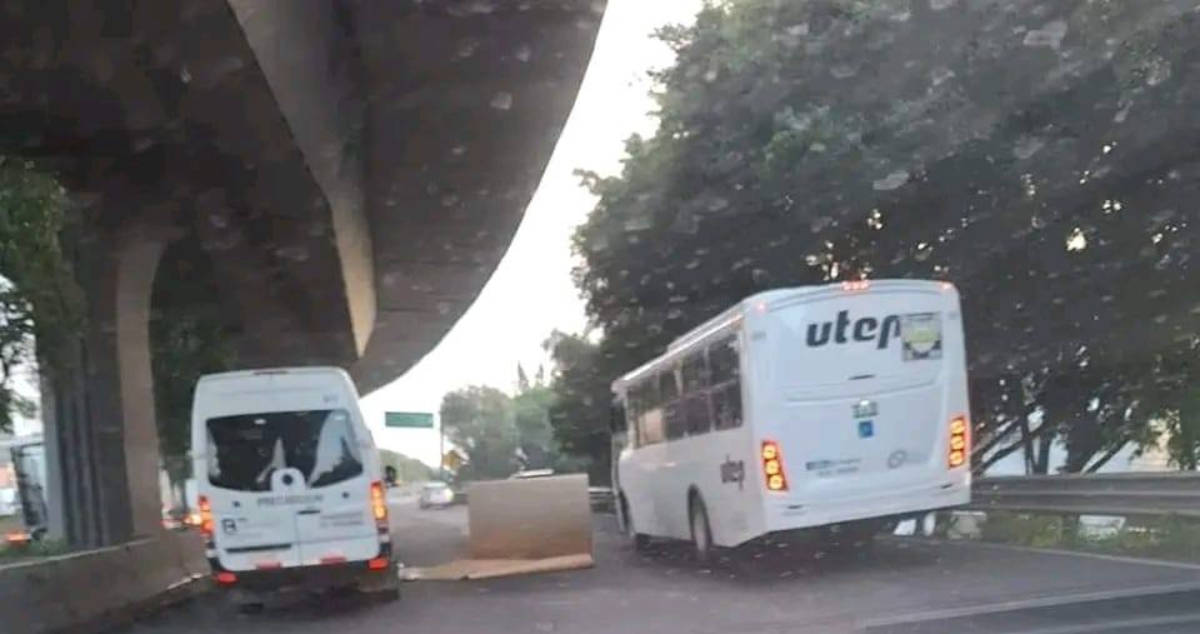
x: 702, y: 543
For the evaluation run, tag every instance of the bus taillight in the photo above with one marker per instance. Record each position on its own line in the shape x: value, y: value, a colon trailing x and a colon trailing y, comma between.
x: 959, y: 442
x: 772, y: 465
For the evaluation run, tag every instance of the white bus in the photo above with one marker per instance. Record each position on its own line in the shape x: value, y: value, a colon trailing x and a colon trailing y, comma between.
x: 797, y: 408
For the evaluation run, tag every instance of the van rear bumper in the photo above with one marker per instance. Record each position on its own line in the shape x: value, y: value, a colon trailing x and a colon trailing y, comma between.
x: 783, y: 515
x: 313, y: 578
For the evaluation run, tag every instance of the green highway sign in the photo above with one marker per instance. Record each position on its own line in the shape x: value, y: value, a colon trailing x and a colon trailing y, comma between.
x: 408, y: 419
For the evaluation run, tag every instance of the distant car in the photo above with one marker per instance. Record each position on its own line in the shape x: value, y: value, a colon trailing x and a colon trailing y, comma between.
x: 435, y: 494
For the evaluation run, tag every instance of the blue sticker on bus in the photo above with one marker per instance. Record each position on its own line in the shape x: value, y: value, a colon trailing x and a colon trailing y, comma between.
x: 866, y: 428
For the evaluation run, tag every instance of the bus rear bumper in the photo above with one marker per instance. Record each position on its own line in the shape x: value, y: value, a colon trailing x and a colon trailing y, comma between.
x: 784, y: 515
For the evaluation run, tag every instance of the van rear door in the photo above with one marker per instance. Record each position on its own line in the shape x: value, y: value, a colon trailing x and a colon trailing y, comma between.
x: 860, y: 385
x: 254, y: 525
x: 339, y: 525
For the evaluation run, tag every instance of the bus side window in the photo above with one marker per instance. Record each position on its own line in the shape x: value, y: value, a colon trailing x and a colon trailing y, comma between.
x: 695, y: 388
x: 649, y: 415
x: 727, y: 387
x: 668, y: 391
x: 631, y: 421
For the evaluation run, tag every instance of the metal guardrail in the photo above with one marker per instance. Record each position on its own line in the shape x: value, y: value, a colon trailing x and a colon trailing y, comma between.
x: 1132, y: 494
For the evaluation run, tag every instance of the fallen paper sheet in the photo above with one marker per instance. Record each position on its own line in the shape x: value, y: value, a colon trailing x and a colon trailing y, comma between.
x: 488, y: 568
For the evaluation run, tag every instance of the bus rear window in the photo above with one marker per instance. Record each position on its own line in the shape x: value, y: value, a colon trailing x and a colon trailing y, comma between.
x: 244, y: 450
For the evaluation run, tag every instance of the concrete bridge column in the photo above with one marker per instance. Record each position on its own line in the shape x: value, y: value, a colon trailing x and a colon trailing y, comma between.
x: 101, y: 436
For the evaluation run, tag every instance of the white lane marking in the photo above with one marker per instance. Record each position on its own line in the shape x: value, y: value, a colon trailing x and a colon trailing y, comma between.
x: 1123, y: 559
x: 1023, y: 604
x: 1108, y: 626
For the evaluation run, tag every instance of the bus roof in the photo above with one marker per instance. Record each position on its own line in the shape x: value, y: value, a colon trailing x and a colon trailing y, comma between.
x: 766, y: 300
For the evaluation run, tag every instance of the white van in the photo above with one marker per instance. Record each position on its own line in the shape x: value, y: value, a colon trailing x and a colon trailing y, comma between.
x: 841, y: 406
x: 289, y: 483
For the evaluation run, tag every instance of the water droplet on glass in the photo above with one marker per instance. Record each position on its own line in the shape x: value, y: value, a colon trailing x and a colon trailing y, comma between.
x: 891, y: 181
x: 717, y: 204
x: 1076, y: 241
x: 1050, y: 36
x: 293, y: 253
x: 1027, y: 146
x: 941, y: 75
x: 502, y: 101
x: 875, y: 220
x: 843, y: 71
x: 1158, y: 70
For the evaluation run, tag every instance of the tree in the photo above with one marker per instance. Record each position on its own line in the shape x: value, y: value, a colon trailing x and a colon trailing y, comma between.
x: 39, y: 299
x: 580, y: 411
x: 522, y: 379
x: 809, y: 142
x: 479, y: 420
x: 190, y: 335
x: 407, y: 469
x: 532, y: 418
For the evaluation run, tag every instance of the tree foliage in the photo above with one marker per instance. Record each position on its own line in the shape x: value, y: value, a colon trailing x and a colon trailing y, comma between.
x: 808, y: 142
x: 39, y: 300
x: 479, y: 421
x: 189, y: 337
x: 580, y: 412
x: 407, y: 469
x: 502, y: 434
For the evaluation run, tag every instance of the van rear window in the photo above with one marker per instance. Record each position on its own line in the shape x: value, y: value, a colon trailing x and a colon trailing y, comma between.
x: 245, y: 450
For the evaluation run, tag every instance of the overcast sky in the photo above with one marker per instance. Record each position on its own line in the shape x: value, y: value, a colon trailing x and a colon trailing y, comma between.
x: 531, y: 293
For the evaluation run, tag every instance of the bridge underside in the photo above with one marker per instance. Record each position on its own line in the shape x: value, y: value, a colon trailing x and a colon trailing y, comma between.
x: 346, y: 174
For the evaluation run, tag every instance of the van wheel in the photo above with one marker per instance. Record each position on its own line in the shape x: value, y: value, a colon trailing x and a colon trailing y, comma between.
x: 702, y: 542
x: 639, y: 541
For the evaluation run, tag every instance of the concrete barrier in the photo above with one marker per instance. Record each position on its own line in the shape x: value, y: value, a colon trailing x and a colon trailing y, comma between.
x: 74, y: 590
x: 533, y: 518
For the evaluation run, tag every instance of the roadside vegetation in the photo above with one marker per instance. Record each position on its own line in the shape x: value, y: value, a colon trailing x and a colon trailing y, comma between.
x: 1170, y: 538
x: 782, y: 160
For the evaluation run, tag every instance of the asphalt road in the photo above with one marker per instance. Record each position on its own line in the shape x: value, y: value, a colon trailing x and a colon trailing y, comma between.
x: 898, y: 586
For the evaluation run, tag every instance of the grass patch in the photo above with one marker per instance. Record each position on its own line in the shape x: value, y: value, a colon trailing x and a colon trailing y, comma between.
x: 32, y: 550
x: 1171, y: 538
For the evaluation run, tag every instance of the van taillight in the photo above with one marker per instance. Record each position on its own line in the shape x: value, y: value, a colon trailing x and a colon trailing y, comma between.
x: 772, y: 466
x: 960, y: 443
x: 206, y: 517
x: 379, y: 504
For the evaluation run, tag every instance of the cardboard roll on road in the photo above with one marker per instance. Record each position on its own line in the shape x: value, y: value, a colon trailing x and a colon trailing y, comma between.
x: 535, y: 518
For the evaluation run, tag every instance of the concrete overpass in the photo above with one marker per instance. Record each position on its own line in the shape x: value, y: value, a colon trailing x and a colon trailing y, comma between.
x: 351, y: 170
